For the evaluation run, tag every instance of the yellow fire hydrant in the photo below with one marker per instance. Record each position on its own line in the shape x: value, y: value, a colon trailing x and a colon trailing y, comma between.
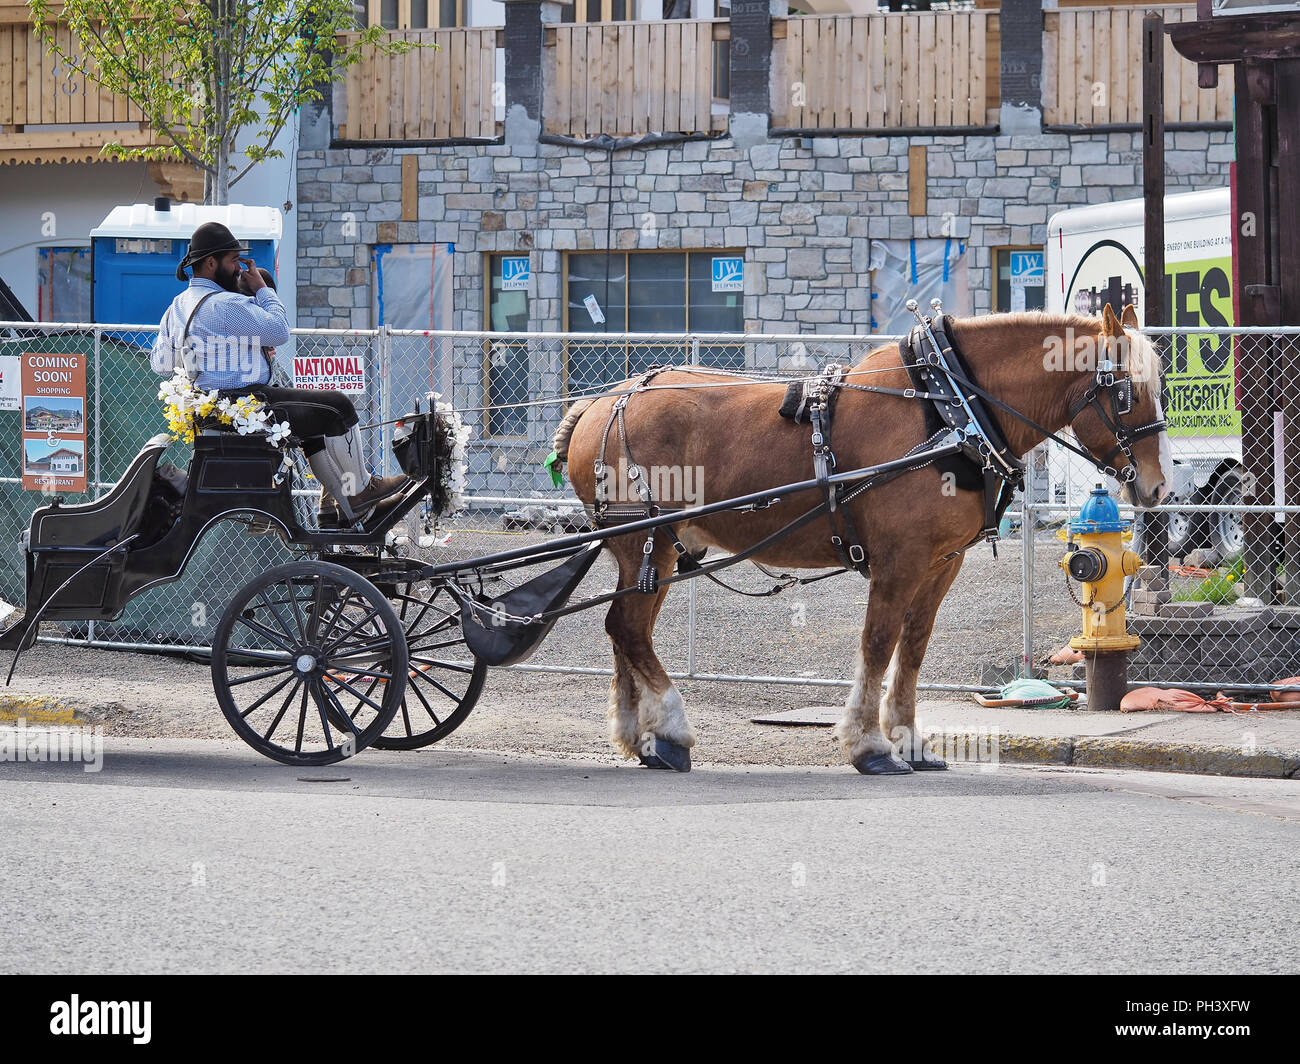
x: 1098, y: 561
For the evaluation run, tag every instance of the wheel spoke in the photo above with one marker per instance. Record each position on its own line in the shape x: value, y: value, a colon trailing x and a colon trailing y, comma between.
x: 451, y: 665
x: 339, y: 606
x: 424, y: 702
x: 276, y: 613
x: 415, y: 624
x: 338, y: 706
x: 261, y: 655
x: 297, y: 607
x: 283, y: 707
x: 441, y: 646
x: 420, y: 673
x: 369, y: 691
x: 442, y: 626
x: 318, y: 696
x: 385, y: 676
x: 265, y: 633
x: 425, y: 606
x: 302, y: 718
x: 454, y: 666
x: 353, y: 691
x: 370, y: 616
x: 377, y: 647
x: 273, y: 691
x: 258, y: 676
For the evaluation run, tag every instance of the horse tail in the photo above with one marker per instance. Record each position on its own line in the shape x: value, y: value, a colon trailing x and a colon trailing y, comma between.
x: 565, y: 432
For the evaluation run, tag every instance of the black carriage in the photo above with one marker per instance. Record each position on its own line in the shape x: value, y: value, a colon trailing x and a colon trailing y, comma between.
x: 312, y: 660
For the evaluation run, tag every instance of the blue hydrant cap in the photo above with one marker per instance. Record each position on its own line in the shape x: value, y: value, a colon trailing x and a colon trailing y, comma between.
x: 1099, y: 514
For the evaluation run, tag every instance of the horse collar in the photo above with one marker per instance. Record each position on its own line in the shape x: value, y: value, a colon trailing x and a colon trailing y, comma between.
x: 933, y: 361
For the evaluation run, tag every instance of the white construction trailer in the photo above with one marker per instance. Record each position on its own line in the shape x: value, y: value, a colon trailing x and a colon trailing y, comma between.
x: 1094, y: 256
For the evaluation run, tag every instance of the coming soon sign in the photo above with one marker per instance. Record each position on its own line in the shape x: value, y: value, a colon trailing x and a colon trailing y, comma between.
x: 54, y: 422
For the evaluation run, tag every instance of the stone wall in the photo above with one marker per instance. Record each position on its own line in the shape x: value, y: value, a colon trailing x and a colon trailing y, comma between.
x: 1259, y: 646
x: 803, y: 210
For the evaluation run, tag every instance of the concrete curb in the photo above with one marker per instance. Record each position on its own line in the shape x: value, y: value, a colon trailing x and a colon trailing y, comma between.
x: 1127, y: 752
x: 1118, y: 751
x: 38, y: 710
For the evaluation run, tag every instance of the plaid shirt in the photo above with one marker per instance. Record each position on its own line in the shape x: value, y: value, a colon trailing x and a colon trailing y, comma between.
x: 226, y: 337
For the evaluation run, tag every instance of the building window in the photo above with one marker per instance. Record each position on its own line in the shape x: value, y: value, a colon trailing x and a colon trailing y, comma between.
x: 63, y: 284
x: 1019, y: 279
x: 599, y: 11
x: 722, y: 59
x: 654, y: 292
x: 506, y: 361
x: 415, y: 14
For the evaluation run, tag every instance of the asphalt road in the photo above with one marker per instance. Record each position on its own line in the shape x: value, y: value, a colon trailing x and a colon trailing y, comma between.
x: 200, y: 856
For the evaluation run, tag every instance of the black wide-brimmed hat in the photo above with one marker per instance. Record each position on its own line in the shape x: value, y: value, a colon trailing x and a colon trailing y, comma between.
x: 211, y: 238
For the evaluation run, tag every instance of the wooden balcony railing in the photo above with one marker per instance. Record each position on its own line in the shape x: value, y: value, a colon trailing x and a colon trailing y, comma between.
x: 937, y: 70
x: 924, y: 71
x: 625, y: 78
x: 438, y: 93
x: 75, y: 118
x: 1092, y: 70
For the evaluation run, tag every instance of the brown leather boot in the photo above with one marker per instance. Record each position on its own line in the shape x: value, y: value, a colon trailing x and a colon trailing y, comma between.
x: 379, y: 489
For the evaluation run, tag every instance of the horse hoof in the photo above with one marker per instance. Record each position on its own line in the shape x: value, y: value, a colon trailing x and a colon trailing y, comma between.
x: 663, y: 754
x: 929, y: 763
x: 882, y: 765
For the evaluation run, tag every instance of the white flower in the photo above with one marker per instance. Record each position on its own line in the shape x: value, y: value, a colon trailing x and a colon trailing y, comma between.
x: 454, y: 474
x: 182, y: 397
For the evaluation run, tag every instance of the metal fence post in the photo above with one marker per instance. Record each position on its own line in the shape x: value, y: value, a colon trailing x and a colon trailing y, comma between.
x: 1027, y: 581
x: 690, y: 585
x: 99, y: 479
x: 384, y: 342
x: 92, y: 412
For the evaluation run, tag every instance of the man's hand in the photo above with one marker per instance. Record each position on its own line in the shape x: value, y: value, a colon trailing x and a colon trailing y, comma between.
x: 252, y: 276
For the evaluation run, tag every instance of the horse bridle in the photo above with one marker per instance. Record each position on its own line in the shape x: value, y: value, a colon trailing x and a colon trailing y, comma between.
x: 1119, y: 391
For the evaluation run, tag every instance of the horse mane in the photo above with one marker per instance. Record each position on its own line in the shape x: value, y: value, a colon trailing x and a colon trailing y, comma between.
x: 1141, y: 359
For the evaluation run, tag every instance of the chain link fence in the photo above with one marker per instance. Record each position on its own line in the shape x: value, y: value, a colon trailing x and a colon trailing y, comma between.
x: 1231, y: 523
x: 1221, y: 613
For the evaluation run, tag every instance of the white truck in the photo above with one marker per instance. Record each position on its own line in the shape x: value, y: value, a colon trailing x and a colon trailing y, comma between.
x: 1095, y: 255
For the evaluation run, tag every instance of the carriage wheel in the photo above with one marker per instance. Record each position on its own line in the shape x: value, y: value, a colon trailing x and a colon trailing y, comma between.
x: 444, y: 679
x: 292, y: 650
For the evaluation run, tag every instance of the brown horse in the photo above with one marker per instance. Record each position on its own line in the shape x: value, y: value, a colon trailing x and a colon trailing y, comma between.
x: 736, y: 443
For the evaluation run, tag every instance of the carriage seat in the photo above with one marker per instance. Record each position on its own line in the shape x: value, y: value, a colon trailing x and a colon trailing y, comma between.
x: 211, y: 426
x: 107, y: 520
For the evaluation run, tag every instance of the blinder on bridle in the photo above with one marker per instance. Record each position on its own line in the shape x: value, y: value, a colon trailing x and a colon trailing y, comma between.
x: 1118, y: 390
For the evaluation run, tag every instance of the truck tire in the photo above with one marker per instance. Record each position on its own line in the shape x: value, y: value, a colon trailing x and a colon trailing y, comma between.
x: 1180, y: 526
x: 1224, y: 527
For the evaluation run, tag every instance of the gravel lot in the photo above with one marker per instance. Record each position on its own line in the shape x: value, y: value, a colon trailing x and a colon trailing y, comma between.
x: 804, y: 632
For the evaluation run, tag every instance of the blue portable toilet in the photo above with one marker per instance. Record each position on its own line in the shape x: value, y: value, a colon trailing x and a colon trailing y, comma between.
x: 136, y: 249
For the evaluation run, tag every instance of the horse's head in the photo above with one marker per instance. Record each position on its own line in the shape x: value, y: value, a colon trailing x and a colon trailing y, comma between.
x: 1116, y: 414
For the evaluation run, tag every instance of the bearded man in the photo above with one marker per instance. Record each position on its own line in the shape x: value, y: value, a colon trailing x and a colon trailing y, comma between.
x: 217, y: 332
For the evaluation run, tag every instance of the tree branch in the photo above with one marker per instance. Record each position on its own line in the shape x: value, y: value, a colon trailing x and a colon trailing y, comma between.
x: 138, y: 99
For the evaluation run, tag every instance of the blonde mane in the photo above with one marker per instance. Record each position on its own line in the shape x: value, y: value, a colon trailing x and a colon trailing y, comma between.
x: 1138, y: 356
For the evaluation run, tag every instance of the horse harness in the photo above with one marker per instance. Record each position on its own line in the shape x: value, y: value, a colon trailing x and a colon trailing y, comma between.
x: 603, y: 513
x: 958, y: 414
